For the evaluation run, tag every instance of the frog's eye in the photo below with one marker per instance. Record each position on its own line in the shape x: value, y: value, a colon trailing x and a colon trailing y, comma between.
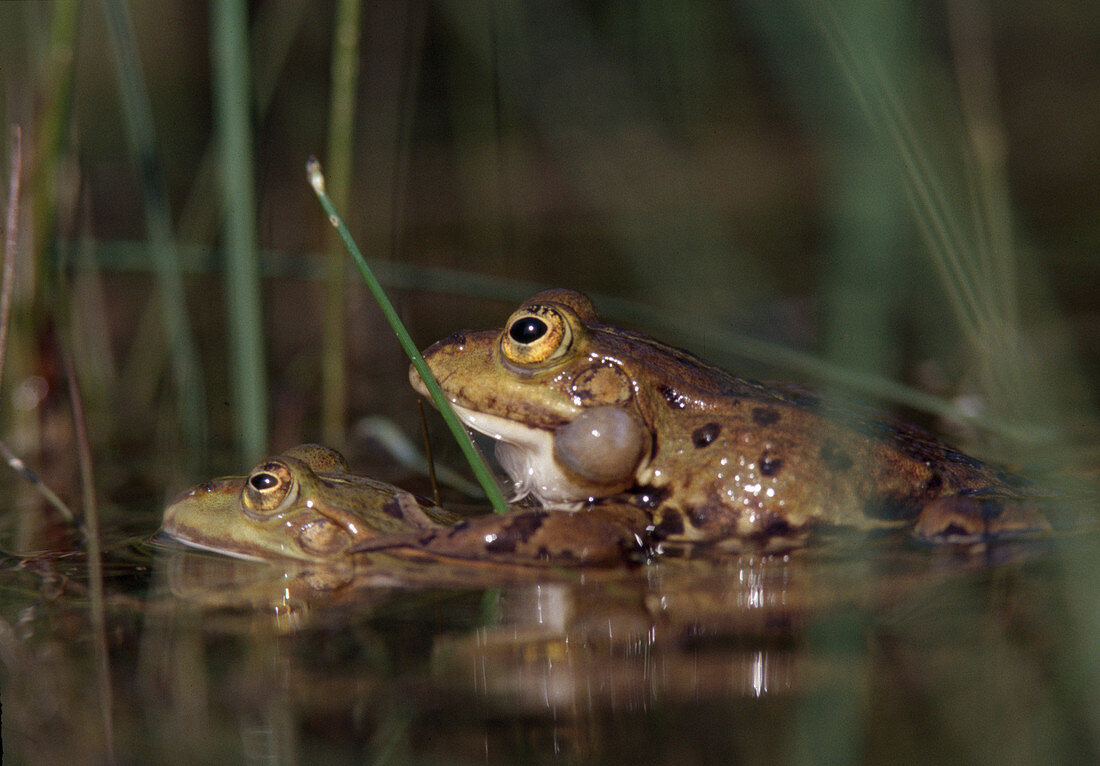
x: 527, y: 329
x: 270, y: 487
x: 264, y: 481
x: 535, y: 334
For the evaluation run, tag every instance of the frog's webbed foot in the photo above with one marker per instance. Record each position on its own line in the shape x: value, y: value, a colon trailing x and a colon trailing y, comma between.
x: 524, y: 537
x: 978, y: 518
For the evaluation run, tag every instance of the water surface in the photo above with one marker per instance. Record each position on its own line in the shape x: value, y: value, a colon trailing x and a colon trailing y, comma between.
x: 868, y: 649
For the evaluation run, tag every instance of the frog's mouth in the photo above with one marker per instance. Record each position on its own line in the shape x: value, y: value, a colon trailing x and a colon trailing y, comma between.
x: 182, y: 538
x: 527, y: 456
x: 182, y: 524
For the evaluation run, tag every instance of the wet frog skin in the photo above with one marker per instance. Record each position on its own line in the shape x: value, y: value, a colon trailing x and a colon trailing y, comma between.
x: 586, y: 414
x: 305, y: 504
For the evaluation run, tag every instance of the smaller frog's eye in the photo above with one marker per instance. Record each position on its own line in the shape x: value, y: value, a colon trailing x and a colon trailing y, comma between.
x: 263, y: 481
x: 270, y: 487
x: 536, y: 334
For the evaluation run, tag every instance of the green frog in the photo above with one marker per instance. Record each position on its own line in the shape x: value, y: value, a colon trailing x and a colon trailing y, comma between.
x: 588, y: 415
x: 302, y: 504
x: 305, y: 504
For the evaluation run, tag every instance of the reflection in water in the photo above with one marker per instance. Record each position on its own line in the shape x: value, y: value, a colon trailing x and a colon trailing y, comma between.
x: 665, y: 635
x: 891, y: 654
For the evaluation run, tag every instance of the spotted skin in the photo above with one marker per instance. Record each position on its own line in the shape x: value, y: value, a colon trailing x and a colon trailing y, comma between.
x: 723, y: 457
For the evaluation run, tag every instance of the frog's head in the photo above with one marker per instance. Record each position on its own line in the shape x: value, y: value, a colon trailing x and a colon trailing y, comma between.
x: 302, y: 504
x: 557, y: 390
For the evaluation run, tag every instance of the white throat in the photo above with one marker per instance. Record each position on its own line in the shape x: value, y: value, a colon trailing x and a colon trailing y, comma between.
x: 527, y: 455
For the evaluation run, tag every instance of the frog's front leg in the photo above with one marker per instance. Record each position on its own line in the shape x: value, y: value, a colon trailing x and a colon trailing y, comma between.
x: 978, y: 517
x: 597, y: 536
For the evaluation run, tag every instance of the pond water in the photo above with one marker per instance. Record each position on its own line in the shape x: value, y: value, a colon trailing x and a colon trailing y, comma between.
x: 870, y: 649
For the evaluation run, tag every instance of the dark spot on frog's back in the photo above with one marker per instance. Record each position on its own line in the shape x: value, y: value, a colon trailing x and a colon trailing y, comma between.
x: 765, y: 416
x: 704, y: 435
x: 518, y: 530
x: 525, y: 525
x: 674, y: 398
x: 769, y: 465
x: 393, y: 508
x: 456, y: 339
x: 501, y: 544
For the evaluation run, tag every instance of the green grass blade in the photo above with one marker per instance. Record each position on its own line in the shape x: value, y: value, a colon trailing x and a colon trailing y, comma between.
x: 317, y: 181
x: 275, y: 27
x: 229, y: 40
x: 138, y: 115
x: 345, y: 70
x: 56, y: 111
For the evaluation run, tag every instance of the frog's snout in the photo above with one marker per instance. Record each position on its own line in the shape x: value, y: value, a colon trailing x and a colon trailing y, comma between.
x: 430, y: 357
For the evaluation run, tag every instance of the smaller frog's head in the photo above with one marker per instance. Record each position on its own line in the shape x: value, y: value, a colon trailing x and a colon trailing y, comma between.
x: 552, y: 388
x: 302, y: 504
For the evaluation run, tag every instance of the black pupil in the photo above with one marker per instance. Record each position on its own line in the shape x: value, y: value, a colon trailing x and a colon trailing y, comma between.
x: 527, y: 330
x: 262, y: 481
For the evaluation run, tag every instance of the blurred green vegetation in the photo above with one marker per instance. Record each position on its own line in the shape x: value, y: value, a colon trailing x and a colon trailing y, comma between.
x: 888, y: 189
x: 899, y: 201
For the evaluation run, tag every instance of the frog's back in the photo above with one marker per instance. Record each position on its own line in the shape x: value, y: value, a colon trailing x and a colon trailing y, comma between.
x: 750, y: 458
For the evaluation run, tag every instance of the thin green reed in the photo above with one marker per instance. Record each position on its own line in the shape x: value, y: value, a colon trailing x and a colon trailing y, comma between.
x: 980, y: 279
x: 137, y: 113
x: 317, y: 181
x: 56, y: 112
x: 345, y: 71
x: 229, y: 41
x: 970, y: 248
x: 274, y: 27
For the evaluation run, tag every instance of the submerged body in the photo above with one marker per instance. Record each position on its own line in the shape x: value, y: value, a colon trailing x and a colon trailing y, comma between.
x: 587, y: 414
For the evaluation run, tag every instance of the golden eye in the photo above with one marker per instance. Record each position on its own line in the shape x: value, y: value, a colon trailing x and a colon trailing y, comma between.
x: 270, y: 487
x: 535, y: 334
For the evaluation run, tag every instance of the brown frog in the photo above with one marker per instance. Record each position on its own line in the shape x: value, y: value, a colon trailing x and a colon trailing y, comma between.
x: 587, y: 415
